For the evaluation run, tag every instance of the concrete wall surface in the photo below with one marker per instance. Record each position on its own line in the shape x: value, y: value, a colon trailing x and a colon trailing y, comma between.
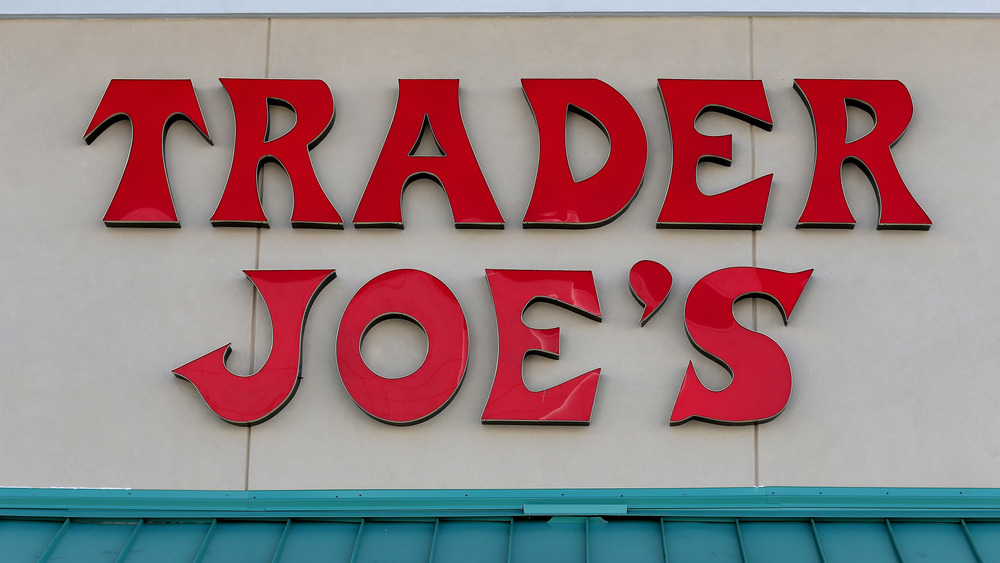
x: 891, y: 345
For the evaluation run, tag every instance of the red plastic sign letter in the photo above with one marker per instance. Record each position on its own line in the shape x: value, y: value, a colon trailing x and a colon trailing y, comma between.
x: 247, y: 400
x: 425, y: 300
x: 510, y: 401
x: 432, y: 104
x: 558, y: 201
x: 888, y: 102
x: 685, y: 205
x: 312, y: 102
x: 762, y: 378
x: 143, y: 195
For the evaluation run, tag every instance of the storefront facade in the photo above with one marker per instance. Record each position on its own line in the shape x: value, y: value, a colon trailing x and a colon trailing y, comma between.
x: 889, y: 341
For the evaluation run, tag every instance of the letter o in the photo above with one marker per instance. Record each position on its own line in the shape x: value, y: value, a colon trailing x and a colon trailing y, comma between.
x: 424, y: 299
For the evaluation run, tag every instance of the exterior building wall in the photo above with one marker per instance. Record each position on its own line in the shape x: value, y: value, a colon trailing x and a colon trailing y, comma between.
x: 891, y: 343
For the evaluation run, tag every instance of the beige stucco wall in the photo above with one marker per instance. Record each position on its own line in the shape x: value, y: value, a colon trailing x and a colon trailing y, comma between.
x: 891, y: 344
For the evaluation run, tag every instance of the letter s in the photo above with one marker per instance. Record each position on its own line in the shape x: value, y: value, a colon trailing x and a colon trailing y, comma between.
x: 762, y: 378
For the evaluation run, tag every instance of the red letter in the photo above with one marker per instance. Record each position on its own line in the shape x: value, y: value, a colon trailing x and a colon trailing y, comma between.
x: 762, y: 379
x: 514, y: 291
x: 888, y: 102
x: 419, y: 297
x: 143, y: 195
x: 432, y: 104
x: 248, y: 400
x: 312, y: 102
x: 685, y: 205
x: 558, y: 201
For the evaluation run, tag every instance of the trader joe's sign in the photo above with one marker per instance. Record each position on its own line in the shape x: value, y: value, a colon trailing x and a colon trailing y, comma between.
x: 762, y: 377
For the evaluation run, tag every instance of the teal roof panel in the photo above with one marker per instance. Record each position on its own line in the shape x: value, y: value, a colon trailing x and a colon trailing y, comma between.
x: 986, y: 537
x: 557, y: 540
x: 26, y: 540
x: 849, y: 542
x: 155, y: 541
x: 320, y: 541
x: 91, y: 542
x: 456, y: 539
x: 717, y: 542
x: 625, y: 540
x: 242, y: 542
x: 668, y: 526
x: 399, y: 542
x: 780, y: 542
x: 933, y: 541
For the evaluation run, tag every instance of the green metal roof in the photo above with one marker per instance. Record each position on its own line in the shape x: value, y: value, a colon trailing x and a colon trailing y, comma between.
x: 591, y: 526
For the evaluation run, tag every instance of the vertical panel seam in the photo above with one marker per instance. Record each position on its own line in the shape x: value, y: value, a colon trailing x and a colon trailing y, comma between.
x: 510, y: 542
x: 253, y: 349
x: 663, y: 538
x: 131, y: 540
x: 819, y: 544
x: 434, y: 539
x: 895, y: 544
x: 739, y: 537
x: 357, y: 542
x: 54, y: 543
x: 205, y: 542
x: 281, y: 542
x: 753, y: 156
x: 753, y: 249
x: 267, y: 51
x: 256, y: 265
x: 972, y: 542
